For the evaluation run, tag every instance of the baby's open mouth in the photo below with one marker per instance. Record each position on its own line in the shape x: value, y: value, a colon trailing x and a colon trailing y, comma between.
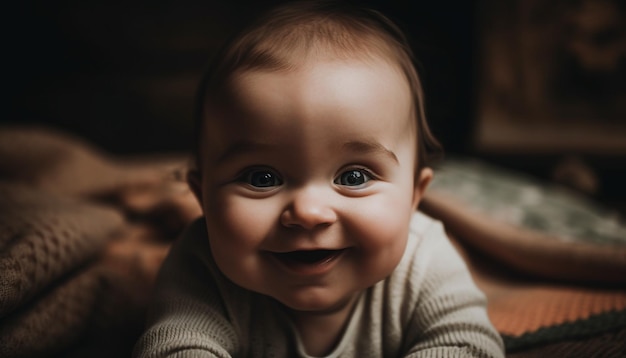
x: 308, y: 257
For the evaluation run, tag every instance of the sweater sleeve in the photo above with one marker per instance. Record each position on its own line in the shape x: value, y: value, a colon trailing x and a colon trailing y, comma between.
x: 188, y: 317
x: 449, y: 316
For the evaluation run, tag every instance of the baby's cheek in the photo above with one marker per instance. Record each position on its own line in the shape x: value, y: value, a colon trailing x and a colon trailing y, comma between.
x: 381, y: 242
x: 237, y: 229
x: 383, y: 220
x: 241, y: 221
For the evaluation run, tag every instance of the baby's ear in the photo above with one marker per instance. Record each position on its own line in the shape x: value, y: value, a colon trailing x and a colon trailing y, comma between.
x: 421, y: 183
x: 195, y: 184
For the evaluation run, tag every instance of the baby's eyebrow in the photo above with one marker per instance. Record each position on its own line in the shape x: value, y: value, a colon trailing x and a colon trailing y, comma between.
x: 241, y: 147
x: 370, y: 146
x: 359, y: 146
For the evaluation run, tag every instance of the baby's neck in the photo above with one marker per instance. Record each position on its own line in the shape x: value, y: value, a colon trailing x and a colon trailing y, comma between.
x: 320, y: 332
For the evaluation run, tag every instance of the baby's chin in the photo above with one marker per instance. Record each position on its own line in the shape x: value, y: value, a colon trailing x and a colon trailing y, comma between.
x: 318, y: 305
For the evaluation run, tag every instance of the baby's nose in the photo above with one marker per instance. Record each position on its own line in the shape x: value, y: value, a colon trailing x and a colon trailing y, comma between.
x: 308, y: 209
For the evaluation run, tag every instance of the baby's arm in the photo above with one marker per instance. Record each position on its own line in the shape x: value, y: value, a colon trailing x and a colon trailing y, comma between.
x: 449, y: 317
x: 187, y: 317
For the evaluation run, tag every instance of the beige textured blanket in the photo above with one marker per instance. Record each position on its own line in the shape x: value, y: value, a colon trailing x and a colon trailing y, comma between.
x: 81, y: 238
x: 83, y: 234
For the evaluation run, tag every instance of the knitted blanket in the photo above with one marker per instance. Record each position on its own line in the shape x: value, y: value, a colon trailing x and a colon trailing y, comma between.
x: 82, y: 235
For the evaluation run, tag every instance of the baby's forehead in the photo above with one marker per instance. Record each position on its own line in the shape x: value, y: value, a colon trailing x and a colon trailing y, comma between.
x: 350, y: 92
x: 311, y: 62
x: 310, y: 66
x: 273, y: 55
x: 348, y: 83
x: 322, y: 96
x: 325, y: 77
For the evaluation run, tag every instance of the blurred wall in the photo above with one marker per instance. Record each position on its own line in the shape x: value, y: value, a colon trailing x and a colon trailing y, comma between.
x: 122, y: 74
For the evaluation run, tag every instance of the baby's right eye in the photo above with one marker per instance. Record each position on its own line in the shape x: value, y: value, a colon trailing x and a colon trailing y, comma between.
x: 261, y: 178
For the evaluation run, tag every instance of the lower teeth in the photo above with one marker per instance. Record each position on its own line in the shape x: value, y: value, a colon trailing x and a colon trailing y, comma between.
x: 308, y: 257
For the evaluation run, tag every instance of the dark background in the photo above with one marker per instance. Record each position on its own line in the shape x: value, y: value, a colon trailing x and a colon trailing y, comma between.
x: 122, y: 74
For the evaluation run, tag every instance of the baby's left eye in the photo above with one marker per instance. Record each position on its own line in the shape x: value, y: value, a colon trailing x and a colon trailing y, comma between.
x: 353, y: 177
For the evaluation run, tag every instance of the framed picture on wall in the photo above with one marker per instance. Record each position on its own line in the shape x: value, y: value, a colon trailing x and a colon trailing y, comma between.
x: 551, y: 77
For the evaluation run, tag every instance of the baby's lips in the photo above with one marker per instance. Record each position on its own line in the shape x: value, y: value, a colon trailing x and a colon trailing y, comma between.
x: 309, y: 256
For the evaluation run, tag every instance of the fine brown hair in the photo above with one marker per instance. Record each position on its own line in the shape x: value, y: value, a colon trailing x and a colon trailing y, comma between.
x: 280, y: 38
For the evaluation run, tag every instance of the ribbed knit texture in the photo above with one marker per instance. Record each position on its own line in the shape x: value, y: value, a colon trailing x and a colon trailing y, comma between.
x: 44, y: 236
x: 55, y: 321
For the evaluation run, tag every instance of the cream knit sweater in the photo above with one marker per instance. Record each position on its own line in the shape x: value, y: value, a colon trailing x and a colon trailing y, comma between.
x: 428, y: 307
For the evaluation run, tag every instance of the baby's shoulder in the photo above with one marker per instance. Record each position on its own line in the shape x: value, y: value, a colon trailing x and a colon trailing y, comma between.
x: 423, y: 227
x: 427, y: 244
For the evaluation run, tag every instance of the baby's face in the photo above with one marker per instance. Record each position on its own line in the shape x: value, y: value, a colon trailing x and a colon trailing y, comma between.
x: 308, y: 180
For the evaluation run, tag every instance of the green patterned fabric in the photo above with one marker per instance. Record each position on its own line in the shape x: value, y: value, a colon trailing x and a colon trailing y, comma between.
x: 523, y: 201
